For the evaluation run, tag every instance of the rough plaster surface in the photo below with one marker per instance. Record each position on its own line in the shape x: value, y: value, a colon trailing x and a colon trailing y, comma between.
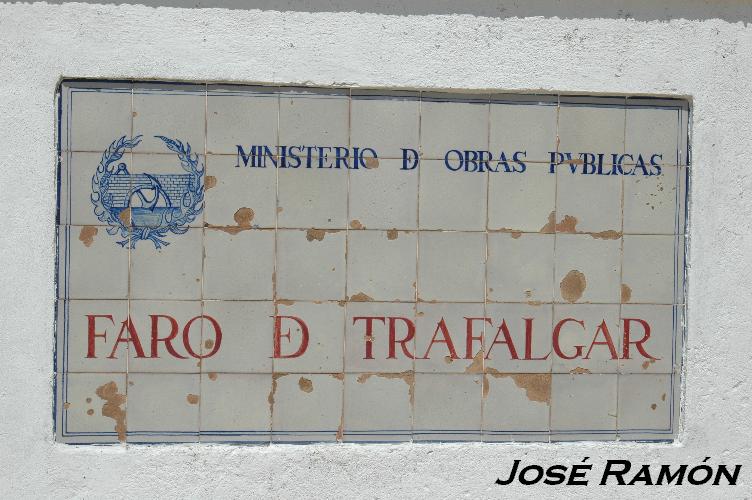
x: 698, y: 49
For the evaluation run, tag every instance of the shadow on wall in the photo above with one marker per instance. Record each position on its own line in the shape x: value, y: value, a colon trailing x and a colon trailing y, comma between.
x: 641, y: 10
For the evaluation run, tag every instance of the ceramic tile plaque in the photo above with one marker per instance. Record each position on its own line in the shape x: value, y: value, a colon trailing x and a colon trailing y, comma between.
x: 260, y: 264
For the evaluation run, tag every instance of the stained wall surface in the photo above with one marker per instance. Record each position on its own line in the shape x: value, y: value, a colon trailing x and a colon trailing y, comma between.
x: 696, y: 51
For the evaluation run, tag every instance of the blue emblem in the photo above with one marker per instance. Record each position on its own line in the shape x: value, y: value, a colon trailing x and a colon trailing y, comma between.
x: 146, y: 206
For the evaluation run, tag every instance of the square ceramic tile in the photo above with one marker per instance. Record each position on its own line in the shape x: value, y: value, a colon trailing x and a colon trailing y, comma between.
x: 82, y: 191
x: 239, y: 196
x: 645, y: 402
x: 387, y: 122
x: 163, y: 336
x: 523, y: 125
x: 262, y: 264
x: 588, y: 203
x: 378, y: 407
x: 88, y: 333
x: 236, y: 115
x: 451, y: 266
x: 380, y: 337
x: 94, y: 265
x: 453, y: 123
x: 177, y: 112
x: 586, y: 269
x: 586, y: 338
x: 235, y: 407
x: 519, y: 267
x: 447, y: 407
x: 591, y: 126
x: 306, y: 407
x: 96, y: 115
x: 381, y: 265
x: 171, y: 271
x: 449, y: 338
x: 163, y: 407
x: 522, y: 201
x: 516, y: 407
x: 653, y: 269
x: 247, y: 337
x: 238, y: 265
x: 655, y: 204
x: 385, y: 197
x: 451, y: 200
x: 312, y: 198
x: 314, y: 117
x: 311, y: 264
x: 652, y: 342
x: 583, y: 406
x: 656, y: 132
x: 93, y: 408
x: 165, y: 191
x: 518, y: 338
x: 310, y: 337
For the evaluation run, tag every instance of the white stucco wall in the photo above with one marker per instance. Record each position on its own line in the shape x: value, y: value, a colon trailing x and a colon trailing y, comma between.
x: 702, y: 50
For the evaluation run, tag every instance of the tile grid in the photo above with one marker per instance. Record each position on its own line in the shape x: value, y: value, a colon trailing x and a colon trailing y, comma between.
x: 417, y: 267
x: 484, y: 348
x: 274, y: 279
x: 203, y: 269
x: 621, y: 273
x: 553, y: 268
x: 417, y: 250
x: 342, y: 423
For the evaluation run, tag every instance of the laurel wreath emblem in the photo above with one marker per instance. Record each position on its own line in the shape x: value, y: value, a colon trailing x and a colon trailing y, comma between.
x: 190, y: 205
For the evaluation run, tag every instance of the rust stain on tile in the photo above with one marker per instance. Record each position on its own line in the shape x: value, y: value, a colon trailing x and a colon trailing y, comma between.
x: 341, y: 303
x: 86, y: 236
x: 209, y: 343
x: 372, y: 163
x: 355, y: 224
x: 318, y: 234
x: 360, y: 297
x: 407, y: 377
x: 392, y: 234
x: 192, y: 399
x: 567, y: 225
x: 340, y: 431
x: 607, y: 235
x: 305, y: 384
x: 653, y: 406
x: 663, y: 397
x: 537, y: 386
x: 125, y: 217
x: 338, y: 376
x: 279, y: 210
x: 273, y: 391
x: 243, y: 217
x: 88, y: 400
x: 573, y: 286
x: 111, y: 408
x: 626, y: 293
x: 212, y: 376
x: 579, y: 371
x: 516, y: 234
x: 66, y: 405
x: 448, y: 360
x: 477, y: 365
x: 647, y: 363
x: 90, y: 412
x: 285, y: 302
x: 210, y: 182
x: 572, y: 161
x: 486, y: 386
